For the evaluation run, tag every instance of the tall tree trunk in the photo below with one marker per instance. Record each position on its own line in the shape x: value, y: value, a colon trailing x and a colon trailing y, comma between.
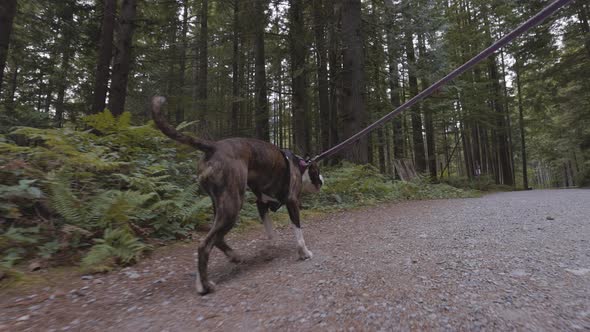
x: 525, y: 178
x: 301, y: 132
x: 7, y: 13
x: 394, y: 91
x: 203, y: 79
x: 105, y: 55
x: 180, y: 105
x: 123, y: 57
x: 354, y: 114
x: 67, y: 35
x: 583, y: 14
x: 262, y: 130
x: 501, y: 125
x: 427, y: 110
x: 235, y: 107
x: 417, y: 136
x: 319, y: 17
x: 10, y: 100
x: 468, y: 157
x: 172, y: 35
x: 335, y: 70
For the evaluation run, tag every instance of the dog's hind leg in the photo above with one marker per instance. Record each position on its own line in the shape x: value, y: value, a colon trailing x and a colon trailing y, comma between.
x: 227, y: 208
x: 228, y: 251
x: 293, y: 208
x: 263, y: 212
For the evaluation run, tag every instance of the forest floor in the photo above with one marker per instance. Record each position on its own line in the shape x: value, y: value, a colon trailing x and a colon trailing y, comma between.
x: 505, y: 261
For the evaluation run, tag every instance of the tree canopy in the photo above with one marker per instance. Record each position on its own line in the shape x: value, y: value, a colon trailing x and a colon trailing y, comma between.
x: 306, y: 74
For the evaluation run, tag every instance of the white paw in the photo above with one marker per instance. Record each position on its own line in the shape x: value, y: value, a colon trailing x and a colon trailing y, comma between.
x: 199, y: 286
x: 304, y: 253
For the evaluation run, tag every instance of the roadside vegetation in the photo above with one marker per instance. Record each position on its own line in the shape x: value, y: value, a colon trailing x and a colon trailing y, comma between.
x: 103, y: 196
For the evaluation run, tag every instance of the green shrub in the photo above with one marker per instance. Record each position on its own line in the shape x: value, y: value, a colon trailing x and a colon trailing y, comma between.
x: 350, y: 185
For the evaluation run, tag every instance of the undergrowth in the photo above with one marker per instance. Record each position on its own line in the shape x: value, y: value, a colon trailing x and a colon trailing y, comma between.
x: 482, y: 183
x: 103, y: 197
x: 349, y: 186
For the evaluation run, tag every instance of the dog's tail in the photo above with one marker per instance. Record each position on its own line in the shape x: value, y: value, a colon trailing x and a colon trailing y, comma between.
x: 199, y: 143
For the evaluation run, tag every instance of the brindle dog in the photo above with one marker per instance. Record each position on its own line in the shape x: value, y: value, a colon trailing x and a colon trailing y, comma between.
x: 228, y: 166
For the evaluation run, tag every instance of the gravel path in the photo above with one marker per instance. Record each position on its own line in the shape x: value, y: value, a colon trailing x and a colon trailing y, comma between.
x: 507, y: 261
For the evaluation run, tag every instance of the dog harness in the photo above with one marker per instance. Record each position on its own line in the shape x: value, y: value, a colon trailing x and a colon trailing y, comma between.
x: 291, y: 159
x: 302, y: 163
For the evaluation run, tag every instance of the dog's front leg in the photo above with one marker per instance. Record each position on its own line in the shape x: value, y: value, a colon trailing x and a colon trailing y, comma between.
x: 293, y: 208
x: 263, y: 212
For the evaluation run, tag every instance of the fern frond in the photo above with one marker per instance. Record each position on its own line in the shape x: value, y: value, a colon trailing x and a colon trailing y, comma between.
x: 66, y: 203
x: 116, y: 246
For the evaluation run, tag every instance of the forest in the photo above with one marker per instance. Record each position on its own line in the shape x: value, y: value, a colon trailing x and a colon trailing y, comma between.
x: 82, y: 166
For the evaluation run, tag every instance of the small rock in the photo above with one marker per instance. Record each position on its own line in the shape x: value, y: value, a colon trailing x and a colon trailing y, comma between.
x: 200, y: 318
x: 87, y: 277
x: 34, y: 266
x: 550, y: 218
x: 97, y: 281
x: 132, y: 275
x: 23, y: 318
x: 518, y: 273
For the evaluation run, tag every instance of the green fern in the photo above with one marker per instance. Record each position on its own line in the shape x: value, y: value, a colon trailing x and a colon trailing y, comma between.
x: 57, y: 147
x: 117, y: 246
x: 64, y: 202
x: 106, y: 122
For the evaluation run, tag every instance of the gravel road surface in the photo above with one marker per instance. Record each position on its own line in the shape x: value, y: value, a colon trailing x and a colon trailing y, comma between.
x: 507, y: 261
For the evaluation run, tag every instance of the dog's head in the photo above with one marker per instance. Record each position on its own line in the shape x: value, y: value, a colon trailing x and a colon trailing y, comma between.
x: 311, y: 177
